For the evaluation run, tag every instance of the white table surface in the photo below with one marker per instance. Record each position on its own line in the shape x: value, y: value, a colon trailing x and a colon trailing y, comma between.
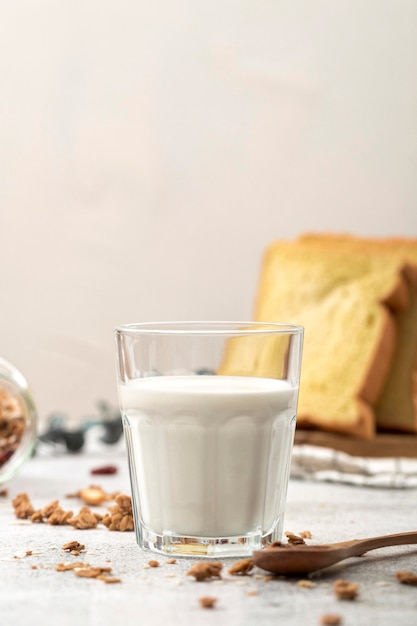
x: 165, y: 595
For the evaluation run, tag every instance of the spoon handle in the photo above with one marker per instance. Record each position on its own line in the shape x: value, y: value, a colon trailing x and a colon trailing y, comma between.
x: 360, y: 546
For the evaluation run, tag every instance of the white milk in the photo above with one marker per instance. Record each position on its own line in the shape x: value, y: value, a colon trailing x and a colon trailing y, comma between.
x: 210, y: 455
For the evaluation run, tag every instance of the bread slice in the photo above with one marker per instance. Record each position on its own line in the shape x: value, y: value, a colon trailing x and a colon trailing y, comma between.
x: 396, y: 407
x: 347, y: 302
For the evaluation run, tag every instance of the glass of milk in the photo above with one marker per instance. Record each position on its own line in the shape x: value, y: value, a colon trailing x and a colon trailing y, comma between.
x: 209, y: 412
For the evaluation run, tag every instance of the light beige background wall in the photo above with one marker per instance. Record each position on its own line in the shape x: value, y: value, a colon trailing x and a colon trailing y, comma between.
x: 149, y: 151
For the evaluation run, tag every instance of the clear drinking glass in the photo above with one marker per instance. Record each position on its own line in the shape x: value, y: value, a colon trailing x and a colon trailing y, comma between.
x: 209, y: 411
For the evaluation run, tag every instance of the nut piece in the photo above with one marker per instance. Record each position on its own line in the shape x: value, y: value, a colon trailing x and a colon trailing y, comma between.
x: 345, y: 590
x: 406, y: 578
x: 94, y: 495
x: 153, y: 563
x: 242, y: 567
x: 207, y: 602
x: 204, y: 571
x: 331, y: 619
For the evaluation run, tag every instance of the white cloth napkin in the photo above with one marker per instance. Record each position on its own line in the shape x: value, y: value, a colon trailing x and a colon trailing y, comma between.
x: 326, y: 464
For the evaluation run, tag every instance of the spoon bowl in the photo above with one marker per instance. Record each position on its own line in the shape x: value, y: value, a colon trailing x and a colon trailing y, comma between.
x: 292, y: 560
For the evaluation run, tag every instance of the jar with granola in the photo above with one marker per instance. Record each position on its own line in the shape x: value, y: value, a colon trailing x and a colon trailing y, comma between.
x: 18, y: 420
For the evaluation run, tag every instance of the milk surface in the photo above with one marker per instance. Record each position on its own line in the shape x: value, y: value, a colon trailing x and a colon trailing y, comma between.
x: 209, y: 455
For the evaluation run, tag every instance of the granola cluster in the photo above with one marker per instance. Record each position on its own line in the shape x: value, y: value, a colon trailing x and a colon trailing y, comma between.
x: 12, y: 425
x: 119, y: 517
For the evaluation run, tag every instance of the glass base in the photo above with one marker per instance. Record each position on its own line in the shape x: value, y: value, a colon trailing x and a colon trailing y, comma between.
x: 170, y: 544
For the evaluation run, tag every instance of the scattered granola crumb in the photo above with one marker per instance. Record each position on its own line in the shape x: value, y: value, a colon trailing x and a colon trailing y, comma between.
x: 242, y: 567
x: 153, y: 563
x: 203, y: 570
x: 406, y: 578
x: 109, y: 579
x: 306, y: 584
x: 91, y: 572
x: 4, y: 493
x: 294, y: 539
x: 331, y: 619
x: 306, y: 534
x: 207, y: 602
x: 65, y: 567
x: 171, y: 561
x: 21, y: 554
x: 251, y: 592
x: 74, y: 547
x: 345, y: 590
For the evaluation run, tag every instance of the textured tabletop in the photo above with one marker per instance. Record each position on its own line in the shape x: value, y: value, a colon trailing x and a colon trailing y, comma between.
x: 33, y: 592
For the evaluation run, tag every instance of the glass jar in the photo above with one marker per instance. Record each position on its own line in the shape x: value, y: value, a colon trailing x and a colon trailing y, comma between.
x: 18, y: 421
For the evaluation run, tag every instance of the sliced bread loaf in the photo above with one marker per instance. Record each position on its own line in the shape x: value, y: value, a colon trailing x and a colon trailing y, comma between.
x: 396, y: 407
x: 347, y: 301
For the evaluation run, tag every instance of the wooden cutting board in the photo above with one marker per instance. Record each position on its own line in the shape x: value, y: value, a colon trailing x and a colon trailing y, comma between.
x: 382, y: 445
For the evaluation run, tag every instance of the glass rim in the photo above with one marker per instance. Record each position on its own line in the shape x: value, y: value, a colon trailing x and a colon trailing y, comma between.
x: 219, y: 328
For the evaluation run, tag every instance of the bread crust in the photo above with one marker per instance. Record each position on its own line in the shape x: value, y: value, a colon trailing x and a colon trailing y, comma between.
x: 363, y: 427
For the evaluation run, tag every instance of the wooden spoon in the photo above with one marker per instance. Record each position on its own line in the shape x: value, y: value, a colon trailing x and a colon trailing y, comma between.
x: 290, y: 559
